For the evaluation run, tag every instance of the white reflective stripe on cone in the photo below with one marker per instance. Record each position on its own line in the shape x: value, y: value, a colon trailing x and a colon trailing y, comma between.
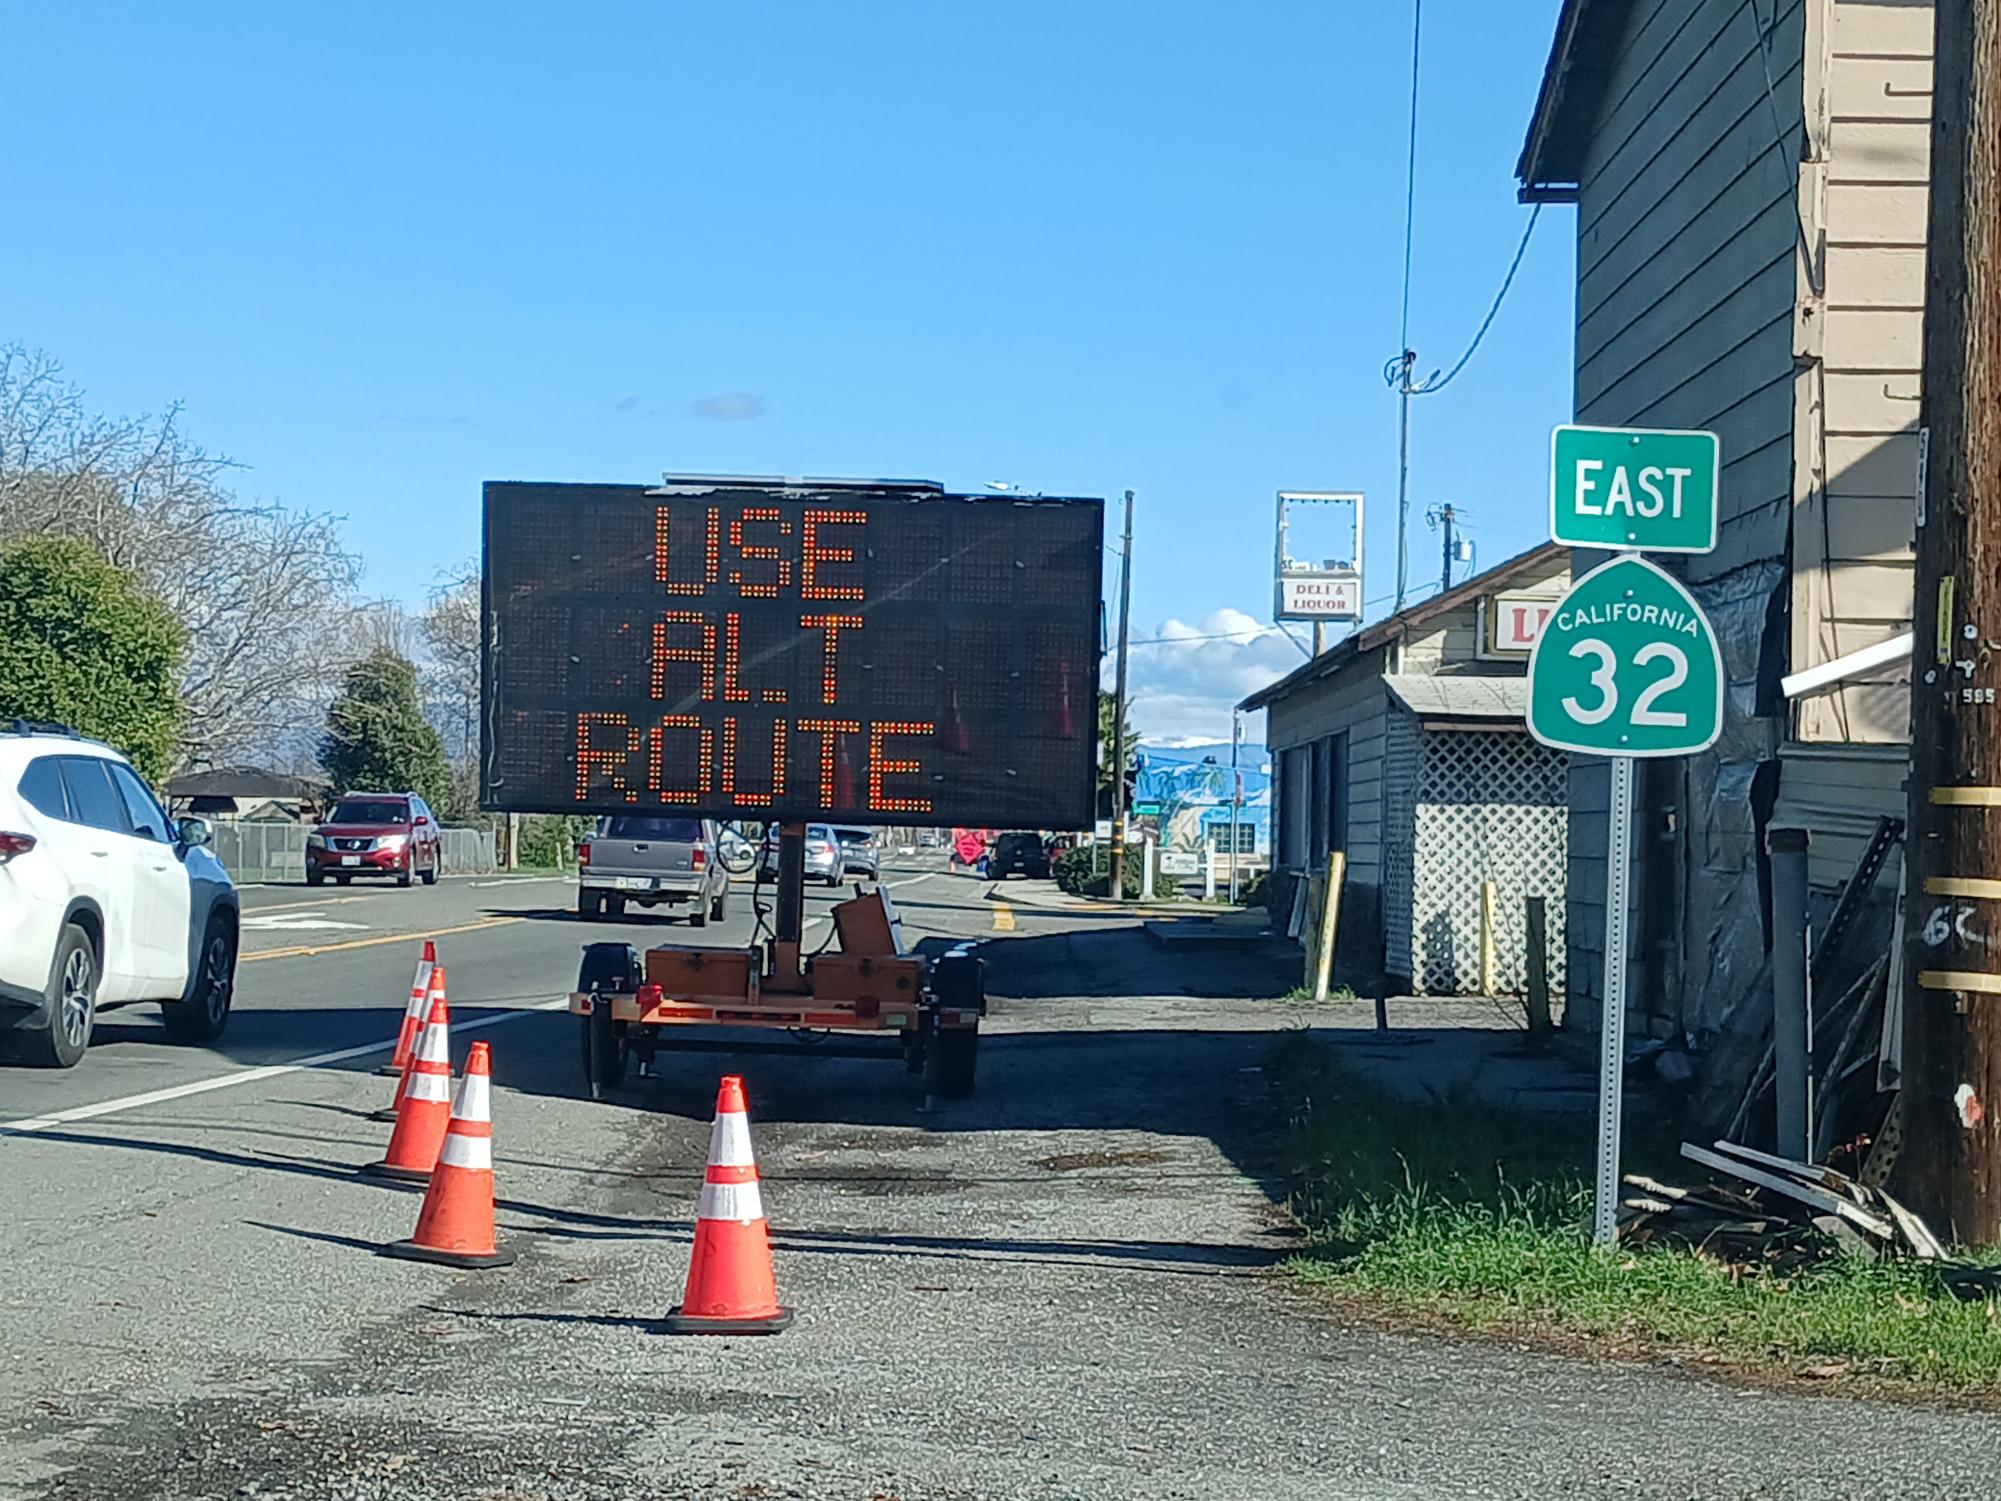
x: 421, y: 985
x: 475, y: 1099
x: 436, y: 1046
x: 729, y: 1141
x: 432, y: 1089
x: 474, y: 1152
x: 740, y: 1202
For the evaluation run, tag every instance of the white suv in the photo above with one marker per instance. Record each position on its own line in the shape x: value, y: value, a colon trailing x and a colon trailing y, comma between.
x: 104, y: 900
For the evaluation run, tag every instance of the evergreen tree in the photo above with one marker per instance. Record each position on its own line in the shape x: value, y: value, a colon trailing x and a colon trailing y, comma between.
x: 377, y: 737
x: 83, y: 644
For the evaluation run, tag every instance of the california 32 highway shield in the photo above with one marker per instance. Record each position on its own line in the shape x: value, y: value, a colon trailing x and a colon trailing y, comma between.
x: 1627, y: 665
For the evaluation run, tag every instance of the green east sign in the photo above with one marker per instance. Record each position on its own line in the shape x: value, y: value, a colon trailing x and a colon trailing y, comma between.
x: 1627, y: 665
x: 1634, y: 488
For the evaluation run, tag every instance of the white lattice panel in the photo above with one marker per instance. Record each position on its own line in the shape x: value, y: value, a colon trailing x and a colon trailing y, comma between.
x: 1400, y: 756
x: 1489, y: 806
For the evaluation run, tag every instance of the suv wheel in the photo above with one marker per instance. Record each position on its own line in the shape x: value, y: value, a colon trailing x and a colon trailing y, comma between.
x: 72, y: 1004
x: 437, y: 868
x: 201, y: 1018
x: 719, y: 909
x: 314, y: 875
x: 409, y: 871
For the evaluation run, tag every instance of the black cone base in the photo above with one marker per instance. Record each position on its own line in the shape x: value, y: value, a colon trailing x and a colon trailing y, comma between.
x: 409, y: 1250
x: 678, y: 1322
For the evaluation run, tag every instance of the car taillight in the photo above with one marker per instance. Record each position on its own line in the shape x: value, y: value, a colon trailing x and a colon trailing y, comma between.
x: 583, y: 854
x: 15, y: 844
x: 700, y: 859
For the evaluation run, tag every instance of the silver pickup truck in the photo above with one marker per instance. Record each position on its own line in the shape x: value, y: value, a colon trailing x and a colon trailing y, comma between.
x: 652, y: 861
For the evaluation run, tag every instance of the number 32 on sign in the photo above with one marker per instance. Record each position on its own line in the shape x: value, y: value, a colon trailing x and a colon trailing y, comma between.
x: 1627, y: 665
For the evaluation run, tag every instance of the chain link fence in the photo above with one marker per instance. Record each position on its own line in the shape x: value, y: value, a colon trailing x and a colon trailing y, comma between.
x: 276, y: 851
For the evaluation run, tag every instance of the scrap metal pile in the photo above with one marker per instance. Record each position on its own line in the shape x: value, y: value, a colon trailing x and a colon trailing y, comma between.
x: 1773, y: 1213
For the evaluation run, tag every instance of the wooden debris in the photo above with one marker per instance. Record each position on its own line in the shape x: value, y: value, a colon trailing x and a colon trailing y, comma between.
x: 1792, y: 1188
x: 1782, y: 1214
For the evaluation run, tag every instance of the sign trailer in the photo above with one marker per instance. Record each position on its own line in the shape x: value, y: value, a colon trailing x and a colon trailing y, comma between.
x: 1627, y: 666
x: 864, y: 652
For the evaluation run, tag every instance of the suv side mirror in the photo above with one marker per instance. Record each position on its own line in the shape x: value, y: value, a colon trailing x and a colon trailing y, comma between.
x: 193, y: 833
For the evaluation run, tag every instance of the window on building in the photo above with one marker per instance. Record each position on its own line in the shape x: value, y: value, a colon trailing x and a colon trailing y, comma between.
x: 1337, y: 792
x: 1294, y: 804
x: 1322, y: 785
x: 1246, y: 837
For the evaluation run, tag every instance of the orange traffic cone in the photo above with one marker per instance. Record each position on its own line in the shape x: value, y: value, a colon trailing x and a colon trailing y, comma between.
x: 434, y: 989
x: 414, y: 1013
x: 424, y: 1100
x: 455, y: 1226
x: 731, y: 1289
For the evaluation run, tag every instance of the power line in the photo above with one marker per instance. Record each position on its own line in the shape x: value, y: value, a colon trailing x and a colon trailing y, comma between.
x: 1410, y: 169
x: 1437, y: 382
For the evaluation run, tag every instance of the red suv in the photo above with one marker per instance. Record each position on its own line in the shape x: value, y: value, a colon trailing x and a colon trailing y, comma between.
x: 375, y: 834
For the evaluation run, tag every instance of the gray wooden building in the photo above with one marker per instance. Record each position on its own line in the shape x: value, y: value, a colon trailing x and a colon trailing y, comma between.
x: 1404, y: 745
x: 1749, y: 188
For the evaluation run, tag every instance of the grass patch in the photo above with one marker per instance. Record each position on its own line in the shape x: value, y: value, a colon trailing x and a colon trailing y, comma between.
x: 1302, y: 995
x: 1457, y: 1209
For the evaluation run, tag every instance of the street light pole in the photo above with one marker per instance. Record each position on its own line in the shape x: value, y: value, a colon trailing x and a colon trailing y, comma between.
x: 1119, y: 710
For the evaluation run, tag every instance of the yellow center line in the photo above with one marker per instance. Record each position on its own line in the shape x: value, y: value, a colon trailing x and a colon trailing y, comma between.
x: 1003, y: 917
x: 306, y: 950
x: 325, y: 901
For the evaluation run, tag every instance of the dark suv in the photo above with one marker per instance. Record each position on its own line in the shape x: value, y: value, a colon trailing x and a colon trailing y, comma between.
x: 376, y: 834
x: 1018, y: 854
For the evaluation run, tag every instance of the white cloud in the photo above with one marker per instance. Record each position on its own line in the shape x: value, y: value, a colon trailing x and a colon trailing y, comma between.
x: 1186, y: 678
x: 730, y: 406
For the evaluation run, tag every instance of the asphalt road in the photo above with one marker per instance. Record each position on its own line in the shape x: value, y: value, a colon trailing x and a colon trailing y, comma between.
x: 1064, y: 1287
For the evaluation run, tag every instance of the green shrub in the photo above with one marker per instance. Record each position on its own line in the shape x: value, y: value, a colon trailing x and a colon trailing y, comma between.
x: 1074, y: 872
x: 82, y: 643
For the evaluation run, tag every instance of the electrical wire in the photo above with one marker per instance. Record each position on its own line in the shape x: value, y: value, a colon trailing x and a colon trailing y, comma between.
x: 1410, y: 172
x: 1436, y: 382
x: 1787, y: 165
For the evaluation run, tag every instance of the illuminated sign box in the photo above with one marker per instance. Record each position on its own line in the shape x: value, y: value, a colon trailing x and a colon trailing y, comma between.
x: 868, y: 654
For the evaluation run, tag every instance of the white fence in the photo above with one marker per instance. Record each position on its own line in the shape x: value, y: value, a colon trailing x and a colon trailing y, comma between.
x: 276, y: 851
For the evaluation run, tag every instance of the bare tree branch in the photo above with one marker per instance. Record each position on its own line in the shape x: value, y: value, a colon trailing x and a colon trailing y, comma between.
x: 266, y: 592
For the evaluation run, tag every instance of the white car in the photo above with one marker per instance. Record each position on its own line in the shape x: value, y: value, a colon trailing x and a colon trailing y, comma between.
x: 104, y: 900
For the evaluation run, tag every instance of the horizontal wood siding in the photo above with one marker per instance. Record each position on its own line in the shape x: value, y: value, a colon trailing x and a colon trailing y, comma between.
x: 1853, y: 525
x: 1687, y: 267
x: 1356, y: 701
x: 1838, y: 793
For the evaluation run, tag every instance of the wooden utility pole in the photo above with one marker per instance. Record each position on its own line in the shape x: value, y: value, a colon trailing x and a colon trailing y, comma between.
x: 1950, y: 1166
x: 1118, y: 888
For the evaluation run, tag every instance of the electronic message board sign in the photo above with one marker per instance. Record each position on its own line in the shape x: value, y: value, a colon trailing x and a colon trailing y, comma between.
x: 855, y: 652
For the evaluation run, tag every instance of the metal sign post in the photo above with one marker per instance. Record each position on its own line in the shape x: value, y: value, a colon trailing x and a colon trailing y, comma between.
x: 1627, y: 667
x: 1612, y: 1024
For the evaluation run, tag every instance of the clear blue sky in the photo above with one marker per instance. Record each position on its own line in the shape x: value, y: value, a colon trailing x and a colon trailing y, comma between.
x: 385, y: 252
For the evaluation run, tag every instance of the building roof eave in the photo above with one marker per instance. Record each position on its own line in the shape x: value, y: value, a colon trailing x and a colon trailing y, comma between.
x: 1588, y: 34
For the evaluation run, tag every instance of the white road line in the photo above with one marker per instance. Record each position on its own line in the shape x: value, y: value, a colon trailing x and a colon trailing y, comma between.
x: 518, y: 881
x: 252, y: 1075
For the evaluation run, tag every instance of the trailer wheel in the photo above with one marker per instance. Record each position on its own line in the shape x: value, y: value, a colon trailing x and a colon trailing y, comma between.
x: 608, y: 968
x: 605, y: 1051
x: 949, y: 1068
x: 959, y: 981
